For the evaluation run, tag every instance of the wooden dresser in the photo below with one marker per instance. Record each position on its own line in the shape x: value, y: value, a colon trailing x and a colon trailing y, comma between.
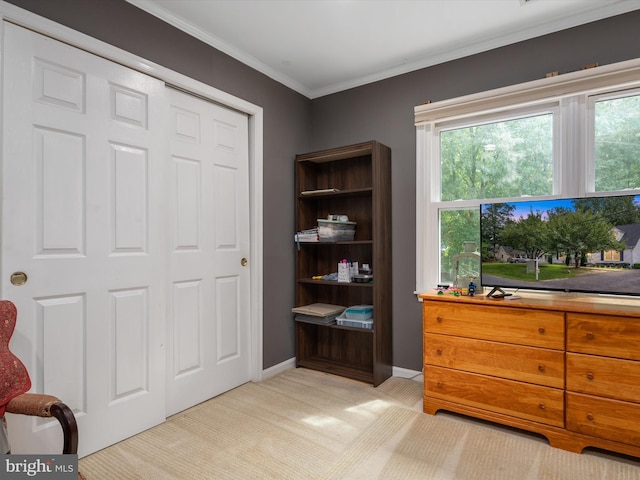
x: 566, y: 368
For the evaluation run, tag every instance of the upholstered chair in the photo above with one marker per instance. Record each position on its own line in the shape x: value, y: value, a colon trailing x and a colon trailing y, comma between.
x: 15, y: 381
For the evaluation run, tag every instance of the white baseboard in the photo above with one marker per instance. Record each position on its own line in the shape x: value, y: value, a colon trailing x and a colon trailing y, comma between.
x: 406, y: 373
x: 279, y: 368
x: 291, y: 363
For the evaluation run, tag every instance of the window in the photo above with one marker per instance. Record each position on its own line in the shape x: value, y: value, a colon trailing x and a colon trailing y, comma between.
x: 502, y: 158
x: 617, y: 143
x: 458, y: 228
x: 611, y: 256
x: 505, y: 158
x: 556, y: 137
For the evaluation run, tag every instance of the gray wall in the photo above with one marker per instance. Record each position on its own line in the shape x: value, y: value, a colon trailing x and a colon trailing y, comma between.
x: 381, y: 111
x: 384, y: 111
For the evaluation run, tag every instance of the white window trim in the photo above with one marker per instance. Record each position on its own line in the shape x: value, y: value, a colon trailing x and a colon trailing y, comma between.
x: 623, y: 74
x: 565, y: 89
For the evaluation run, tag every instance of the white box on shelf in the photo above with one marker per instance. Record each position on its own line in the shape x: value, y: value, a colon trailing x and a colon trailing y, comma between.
x: 347, y: 322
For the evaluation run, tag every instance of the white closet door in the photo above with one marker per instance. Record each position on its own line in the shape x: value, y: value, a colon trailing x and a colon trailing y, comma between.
x: 84, y: 216
x: 208, y: 338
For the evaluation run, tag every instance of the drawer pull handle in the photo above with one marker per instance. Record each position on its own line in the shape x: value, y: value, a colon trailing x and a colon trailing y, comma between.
x: 541, y: 330
x: 439, y: 352
x: 590, y: 336
x: 541, y: 368
x: 542, y: 406
x: 439, y: 319
x: 590, y: 375
x: 590, y: 417
x: 440, y: 384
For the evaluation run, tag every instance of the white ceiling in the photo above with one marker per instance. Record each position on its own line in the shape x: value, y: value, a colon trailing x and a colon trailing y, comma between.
x: 318, y: 47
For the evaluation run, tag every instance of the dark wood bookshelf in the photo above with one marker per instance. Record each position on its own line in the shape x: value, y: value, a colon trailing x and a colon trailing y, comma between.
x: 355, y: 181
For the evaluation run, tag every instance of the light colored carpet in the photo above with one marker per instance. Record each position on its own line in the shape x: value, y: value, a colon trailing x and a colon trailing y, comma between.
x: 304, y: 424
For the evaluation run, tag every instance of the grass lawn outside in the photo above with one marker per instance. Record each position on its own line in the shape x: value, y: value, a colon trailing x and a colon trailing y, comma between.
x: 518, y: 271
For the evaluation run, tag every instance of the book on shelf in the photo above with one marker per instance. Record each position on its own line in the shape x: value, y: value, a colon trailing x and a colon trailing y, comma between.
x: 310, y: 235
x: 320, y: 313
x: 319, y: 191
x: 318, y: 320
x: 319, y: 309
x: 299, y: 237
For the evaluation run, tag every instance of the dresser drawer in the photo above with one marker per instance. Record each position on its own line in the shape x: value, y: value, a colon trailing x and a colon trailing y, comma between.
x: 604, y: 418
x: 528, y: 364
x: 609, y: 377
x: 607, y: 335
x: 522, y: 400
x: 537, y: 328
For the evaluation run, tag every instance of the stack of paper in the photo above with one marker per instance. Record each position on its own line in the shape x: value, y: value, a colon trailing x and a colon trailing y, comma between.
x: 310, y: 235
x: 322, y: 313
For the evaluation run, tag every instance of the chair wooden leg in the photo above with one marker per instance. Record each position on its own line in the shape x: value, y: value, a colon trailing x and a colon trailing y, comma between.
x: 69, y: 427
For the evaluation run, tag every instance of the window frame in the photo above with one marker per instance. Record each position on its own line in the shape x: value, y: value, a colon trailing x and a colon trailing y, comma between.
x: 572, y: 97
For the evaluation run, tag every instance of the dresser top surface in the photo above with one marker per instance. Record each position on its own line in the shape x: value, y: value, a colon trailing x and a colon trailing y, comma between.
x: 625, y: 306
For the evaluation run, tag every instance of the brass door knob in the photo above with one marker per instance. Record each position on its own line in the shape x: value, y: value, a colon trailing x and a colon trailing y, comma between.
x: 244, y: 262
x: 19, y: 278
